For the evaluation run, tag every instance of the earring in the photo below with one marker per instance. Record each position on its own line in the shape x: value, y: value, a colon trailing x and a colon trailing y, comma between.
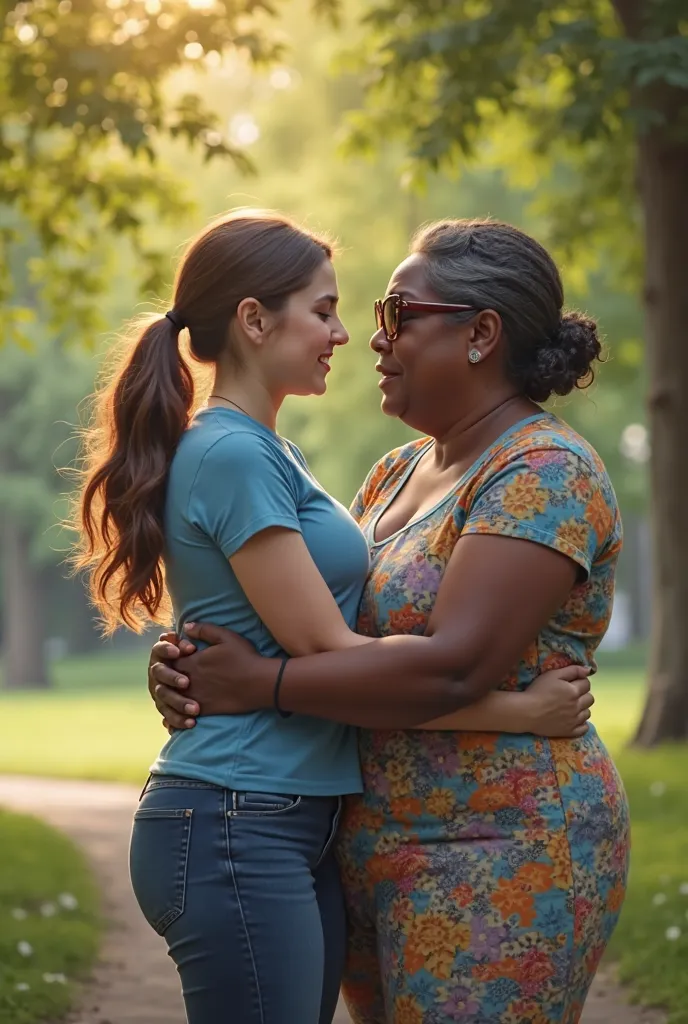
x: 474, y: 356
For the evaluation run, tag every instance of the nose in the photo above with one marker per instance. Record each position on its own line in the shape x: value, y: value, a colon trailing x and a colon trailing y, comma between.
x: 379, y: 342
x: 340, y: 335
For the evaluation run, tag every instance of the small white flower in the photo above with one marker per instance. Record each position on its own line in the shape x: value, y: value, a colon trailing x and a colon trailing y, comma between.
x: 659, y: 898
x: 658, y: 788
x: 19, y: 914
x: 673, y: 933
x: 683, y: 888
x: 55, y: 979
x: 24, y: 948
x: 48, y: 910
x: 22, y: 986
x: 67, y: 901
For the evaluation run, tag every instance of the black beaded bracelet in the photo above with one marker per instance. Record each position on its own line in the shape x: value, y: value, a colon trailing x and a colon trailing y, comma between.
x: 278, y: 683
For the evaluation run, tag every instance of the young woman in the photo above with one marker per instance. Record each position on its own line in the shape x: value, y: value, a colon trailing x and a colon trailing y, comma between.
x: 231, y: 855
x: 483, y: 873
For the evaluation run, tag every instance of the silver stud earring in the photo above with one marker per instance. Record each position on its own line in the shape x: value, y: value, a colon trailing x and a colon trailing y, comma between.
x: 474, y: 356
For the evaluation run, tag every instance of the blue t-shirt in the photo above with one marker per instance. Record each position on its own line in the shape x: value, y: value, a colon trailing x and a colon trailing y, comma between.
x: 230, y: 478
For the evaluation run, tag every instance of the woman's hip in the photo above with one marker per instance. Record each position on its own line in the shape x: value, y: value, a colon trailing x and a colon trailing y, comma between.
x: 189, y: 834
x: 244, y: 888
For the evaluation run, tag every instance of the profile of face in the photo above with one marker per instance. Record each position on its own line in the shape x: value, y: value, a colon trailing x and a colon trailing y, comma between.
x: 429, y: 378
x: 292, y: 348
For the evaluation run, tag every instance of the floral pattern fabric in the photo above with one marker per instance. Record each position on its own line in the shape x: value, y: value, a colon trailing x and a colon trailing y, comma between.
x: 484, y: 872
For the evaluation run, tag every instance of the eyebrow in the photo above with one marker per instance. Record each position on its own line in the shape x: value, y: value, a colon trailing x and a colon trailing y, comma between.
x: 328, y: 298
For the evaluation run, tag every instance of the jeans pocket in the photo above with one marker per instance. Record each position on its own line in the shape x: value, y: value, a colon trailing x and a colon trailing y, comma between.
x: 253, y: 805
x: 158, y: 858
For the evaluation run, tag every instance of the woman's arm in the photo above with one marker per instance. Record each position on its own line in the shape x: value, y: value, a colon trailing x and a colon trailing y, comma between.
x: 557, y: 703
x: 287, y: 592
x: 245, y: 499
x: 483, y: 620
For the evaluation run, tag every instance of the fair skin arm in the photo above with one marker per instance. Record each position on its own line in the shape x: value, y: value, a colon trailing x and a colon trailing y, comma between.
x: 482, y: 622
x: 284, y: 586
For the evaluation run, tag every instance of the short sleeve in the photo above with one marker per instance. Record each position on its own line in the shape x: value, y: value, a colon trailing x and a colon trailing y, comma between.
x: 552, y: 497
x: 244, y: 484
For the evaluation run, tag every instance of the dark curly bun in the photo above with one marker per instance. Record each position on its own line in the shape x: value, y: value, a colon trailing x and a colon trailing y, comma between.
x: 562, y: 362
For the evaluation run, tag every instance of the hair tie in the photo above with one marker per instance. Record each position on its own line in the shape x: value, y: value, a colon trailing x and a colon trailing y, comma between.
x: 175, y: 319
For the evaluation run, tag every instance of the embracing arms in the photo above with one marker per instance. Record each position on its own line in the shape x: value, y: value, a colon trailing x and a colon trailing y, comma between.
x: 486, y: 614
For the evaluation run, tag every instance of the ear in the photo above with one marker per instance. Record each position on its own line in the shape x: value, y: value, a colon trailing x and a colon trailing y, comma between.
x: 484, y: 334
x: 253, y: 319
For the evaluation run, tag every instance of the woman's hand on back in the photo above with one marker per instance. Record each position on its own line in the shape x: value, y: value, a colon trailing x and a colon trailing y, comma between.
x: 560, y: 702
x: 168, y: 649
x: 227, y: 677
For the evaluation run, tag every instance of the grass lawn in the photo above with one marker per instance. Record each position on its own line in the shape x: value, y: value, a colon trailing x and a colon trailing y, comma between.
x: 49, y: 928
x: 98, y: 724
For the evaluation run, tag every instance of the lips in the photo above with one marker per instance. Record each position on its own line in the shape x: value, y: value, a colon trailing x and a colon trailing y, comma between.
x: 386, y: 372
x: 387, y: 375
x: 325, y: 359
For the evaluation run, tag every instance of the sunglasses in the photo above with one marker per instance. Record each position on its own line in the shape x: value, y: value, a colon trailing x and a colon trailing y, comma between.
x: 390, y: 312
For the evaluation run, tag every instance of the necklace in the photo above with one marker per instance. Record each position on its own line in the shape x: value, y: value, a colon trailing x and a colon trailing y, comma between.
x: 231, y: 402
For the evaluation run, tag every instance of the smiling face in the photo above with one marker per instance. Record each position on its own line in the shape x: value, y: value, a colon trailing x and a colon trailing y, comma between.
x: 425, y: 374
x: 295, y: 345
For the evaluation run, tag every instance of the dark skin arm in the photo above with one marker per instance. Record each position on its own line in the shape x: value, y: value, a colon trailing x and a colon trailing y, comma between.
x: 486, y: 614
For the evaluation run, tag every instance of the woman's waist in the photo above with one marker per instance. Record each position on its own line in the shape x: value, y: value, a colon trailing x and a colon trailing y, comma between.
x: 249, y: 751
x: 511, y: 781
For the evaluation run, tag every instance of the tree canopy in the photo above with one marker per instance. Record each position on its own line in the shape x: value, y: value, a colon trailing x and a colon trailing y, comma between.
x: 82, y: 107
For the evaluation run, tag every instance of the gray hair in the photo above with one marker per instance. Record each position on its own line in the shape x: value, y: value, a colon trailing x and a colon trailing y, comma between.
x: 491, y: 265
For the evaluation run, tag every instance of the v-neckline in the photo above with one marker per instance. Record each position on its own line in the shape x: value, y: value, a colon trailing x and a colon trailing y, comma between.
x: 403, y: 480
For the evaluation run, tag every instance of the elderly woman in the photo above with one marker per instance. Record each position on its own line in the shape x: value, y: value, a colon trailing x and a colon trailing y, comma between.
x: 483, y: 872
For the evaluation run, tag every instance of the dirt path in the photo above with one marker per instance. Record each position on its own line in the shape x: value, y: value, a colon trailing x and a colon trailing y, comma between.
x: 135, y: 982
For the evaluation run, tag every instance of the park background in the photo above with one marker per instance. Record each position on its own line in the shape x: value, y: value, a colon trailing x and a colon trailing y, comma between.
x: 347, y: 118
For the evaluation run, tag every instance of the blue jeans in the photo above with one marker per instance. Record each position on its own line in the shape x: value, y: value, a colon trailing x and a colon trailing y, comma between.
x: 246, y: 891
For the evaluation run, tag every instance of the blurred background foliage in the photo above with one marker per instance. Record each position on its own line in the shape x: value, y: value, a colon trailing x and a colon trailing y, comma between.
x: 284, y: 133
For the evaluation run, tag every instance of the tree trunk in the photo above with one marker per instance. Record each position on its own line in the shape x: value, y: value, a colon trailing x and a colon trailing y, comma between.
x: 663, y: 181
x: 24, y: 662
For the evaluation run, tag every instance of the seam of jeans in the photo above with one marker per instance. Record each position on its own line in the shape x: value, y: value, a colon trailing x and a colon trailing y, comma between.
x: 235, y: 884
x: 333, y: 831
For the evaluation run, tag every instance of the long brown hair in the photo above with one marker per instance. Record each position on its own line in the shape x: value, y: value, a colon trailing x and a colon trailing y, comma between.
x: 145, y: 405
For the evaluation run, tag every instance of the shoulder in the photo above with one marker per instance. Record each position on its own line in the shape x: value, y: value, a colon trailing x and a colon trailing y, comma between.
x: 547, y: 468
x: 216, y: 446
x: 296, y: 453
x: 549, y: 447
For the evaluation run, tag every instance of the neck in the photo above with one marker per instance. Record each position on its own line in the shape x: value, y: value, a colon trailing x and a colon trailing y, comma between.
x: 249, y: 394
x: 470, y: 435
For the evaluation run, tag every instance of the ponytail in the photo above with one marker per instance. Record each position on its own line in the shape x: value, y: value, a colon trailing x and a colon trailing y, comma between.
x: 140, y: 417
